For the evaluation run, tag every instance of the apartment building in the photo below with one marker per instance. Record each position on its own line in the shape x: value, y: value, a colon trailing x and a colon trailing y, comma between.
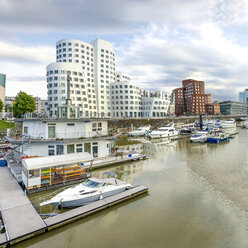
x: 191, y: 98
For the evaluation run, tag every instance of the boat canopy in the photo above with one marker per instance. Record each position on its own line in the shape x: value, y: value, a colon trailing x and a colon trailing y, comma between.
x: 51, y: 161
x: 112, y: 181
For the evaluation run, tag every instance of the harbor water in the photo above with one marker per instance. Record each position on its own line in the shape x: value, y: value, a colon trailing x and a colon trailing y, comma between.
x: 197, y: 198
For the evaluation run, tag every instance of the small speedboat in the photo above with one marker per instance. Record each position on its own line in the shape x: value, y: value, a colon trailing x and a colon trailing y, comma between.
x: 199, y: 137
x: 91, y: 190
x: 141, y: 131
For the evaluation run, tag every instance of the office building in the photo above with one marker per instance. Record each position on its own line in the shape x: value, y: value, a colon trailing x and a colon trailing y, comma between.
x: 2, y: 92
x: 243, y: 96
x: 233, y: 108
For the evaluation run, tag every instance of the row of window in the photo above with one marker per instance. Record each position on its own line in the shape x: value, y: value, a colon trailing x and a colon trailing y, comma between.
x: 75, y: 44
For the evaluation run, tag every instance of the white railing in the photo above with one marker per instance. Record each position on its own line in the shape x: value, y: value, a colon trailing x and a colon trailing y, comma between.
x: 71, y: 135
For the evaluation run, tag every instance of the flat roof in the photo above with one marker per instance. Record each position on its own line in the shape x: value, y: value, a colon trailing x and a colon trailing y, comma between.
x: 51, y: 161
x: 46, y: 120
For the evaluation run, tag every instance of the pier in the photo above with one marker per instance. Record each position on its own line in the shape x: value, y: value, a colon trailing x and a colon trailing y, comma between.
x: 22, y: 221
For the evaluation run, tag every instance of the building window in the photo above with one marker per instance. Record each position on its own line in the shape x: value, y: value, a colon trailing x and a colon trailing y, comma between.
x: 87, y: 147
x: 70, y: 148
x: 79, y: 147
x: 59, y: 149
x: 51, y: 150
x: 51, y: 132
x: 25, y: 129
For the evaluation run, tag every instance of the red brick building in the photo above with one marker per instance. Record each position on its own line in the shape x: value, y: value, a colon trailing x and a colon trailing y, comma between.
x: 179, y: 101
x: 191, y: 98
x: 213, y: 109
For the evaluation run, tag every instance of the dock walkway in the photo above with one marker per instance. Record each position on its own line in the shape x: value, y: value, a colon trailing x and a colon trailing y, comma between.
x: 22, y: 221
x: 18, y: 214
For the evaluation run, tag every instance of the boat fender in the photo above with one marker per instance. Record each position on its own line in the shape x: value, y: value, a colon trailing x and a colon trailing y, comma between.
x: 101, y: 197
x: 60, y: 207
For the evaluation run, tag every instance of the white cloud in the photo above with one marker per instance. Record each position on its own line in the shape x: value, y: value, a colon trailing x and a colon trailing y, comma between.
x: 25, y: 68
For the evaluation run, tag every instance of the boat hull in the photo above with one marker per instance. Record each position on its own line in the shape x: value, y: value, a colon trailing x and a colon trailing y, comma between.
x: 217, y: 140
x: 86, y: 200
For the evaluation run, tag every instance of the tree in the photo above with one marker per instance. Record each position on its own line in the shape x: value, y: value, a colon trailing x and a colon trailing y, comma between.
x: 23, y: 104
x: 1, y: 105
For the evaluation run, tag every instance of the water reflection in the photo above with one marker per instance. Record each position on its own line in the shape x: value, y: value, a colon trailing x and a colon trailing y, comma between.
x: 197, y: 198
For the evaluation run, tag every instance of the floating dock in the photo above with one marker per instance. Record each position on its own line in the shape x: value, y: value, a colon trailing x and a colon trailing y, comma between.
x: 22, y: 221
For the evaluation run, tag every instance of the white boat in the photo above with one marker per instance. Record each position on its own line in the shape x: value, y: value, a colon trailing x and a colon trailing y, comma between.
x: 163, y: 132
x: 245, y: 125
x: 228, y: 124
x: 141, y: 131
x: 199, y: 137
x: 91, y: 190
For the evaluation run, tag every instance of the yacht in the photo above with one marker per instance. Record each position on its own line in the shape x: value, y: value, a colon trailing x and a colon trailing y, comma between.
x: 162, y: 132
x: 141, y: 131
x: 228, y: 124
x: 91, y: 190
x: 199, y: 137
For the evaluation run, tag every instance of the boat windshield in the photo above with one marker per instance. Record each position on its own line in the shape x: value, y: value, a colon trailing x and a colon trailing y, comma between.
x: 91, y: 184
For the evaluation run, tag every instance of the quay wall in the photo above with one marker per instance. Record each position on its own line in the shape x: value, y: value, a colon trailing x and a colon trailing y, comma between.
x: 158, y: 122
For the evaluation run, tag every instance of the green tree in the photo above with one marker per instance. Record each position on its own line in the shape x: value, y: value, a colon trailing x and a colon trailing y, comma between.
x: 1, y: 105
x: 24, y: 104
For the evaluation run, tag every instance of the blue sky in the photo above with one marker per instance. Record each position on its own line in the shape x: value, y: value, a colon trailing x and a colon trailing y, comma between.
x: 158, y: 42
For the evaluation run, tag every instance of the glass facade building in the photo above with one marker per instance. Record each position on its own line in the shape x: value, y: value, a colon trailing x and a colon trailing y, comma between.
x: 2, y: 80
x: 233, y: 108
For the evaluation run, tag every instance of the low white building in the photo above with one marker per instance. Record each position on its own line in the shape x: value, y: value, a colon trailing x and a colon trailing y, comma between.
x: 48, y: 137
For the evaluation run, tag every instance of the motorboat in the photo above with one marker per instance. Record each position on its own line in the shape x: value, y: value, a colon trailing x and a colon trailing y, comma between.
x: 218, y: 136
x: 162, y: 132
x: 199, y: 137
x: 245, y: 125
x: 228, y: 124
x: 141, y: 131
x: 91, y: 190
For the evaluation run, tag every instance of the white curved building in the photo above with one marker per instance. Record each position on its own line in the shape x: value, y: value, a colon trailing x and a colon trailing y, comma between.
x: 98, y: 64
x: 125, y: 99
x: 82, y: 93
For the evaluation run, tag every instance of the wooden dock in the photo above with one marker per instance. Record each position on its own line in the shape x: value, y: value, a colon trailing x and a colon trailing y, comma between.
x: 22, y: 221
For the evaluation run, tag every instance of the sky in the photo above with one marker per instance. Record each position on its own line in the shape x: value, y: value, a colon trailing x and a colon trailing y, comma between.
x: 158, y: 43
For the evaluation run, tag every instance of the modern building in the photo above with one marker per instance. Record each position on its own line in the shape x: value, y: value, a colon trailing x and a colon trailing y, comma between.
x: 233, y: 108
x: 243, y: 96
x: 213, y: 109
x: 96, y: 62
x: 82, y: 93
x: 191, y: 98
x: 2, y: 91
x: 155, y: 104
x: 125, y: 99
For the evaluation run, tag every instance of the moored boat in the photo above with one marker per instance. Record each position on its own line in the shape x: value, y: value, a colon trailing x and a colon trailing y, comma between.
x: 163, y: 132
x: 218, y: 136
x: 199, y: 137
x: 91, y: 190
x: 228, y: 124
x: 141, y: 131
